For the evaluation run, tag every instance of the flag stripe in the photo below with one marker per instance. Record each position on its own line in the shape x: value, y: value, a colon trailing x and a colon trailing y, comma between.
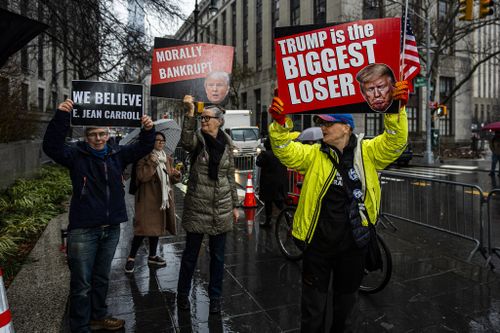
x: 409, y: 54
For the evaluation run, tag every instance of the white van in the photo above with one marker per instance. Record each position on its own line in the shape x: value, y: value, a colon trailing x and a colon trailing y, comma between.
x: 246, y: 138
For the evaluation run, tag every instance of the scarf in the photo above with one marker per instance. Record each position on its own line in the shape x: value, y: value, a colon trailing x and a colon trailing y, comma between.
x: 162, y: 172
x: 215, y: 148
x: 98, y: 153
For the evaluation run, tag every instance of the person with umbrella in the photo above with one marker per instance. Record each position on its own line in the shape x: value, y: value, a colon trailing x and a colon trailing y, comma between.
x: 154, y: 202
x: 495, y: 153
x: 211, y: 201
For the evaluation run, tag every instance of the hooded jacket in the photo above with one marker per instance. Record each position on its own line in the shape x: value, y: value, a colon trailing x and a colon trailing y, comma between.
x: 98, y: 187
x: 369, y: 157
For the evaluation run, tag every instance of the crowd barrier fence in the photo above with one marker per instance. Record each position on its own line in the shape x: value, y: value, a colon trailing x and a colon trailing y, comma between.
x: 451, y: 207
x: 455, y: 208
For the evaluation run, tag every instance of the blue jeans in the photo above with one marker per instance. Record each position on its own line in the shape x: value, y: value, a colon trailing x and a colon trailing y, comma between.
x: 188, y: 264
x: 90, y: 252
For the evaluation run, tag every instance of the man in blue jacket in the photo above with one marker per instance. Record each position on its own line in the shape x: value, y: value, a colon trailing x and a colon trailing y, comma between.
x: 97, y: 209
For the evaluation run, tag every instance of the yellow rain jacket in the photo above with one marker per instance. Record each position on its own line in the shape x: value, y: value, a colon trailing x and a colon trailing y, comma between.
x: 370, y: 155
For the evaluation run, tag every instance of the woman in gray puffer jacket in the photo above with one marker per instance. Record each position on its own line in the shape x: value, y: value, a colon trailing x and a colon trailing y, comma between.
x: 210, y: 204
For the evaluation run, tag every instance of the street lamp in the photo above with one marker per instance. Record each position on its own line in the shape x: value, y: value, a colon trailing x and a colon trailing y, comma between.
x: 212, y: 10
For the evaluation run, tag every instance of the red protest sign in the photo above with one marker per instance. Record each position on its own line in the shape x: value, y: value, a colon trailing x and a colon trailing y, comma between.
x: 180, y: 68
x: 345, y: 68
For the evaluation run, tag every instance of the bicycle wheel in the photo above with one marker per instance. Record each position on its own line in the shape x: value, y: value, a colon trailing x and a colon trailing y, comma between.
x: 283, y: 233
x: 375, y: 281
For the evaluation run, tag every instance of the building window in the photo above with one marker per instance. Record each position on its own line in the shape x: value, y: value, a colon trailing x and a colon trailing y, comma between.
x: 371, y: 9
x: 216, y: 32
x: 41, y: 42
x: 224, y: 28
x: 41, y: 99
x: 54, y: 60
x: 54, y: 100
x: 373, y: 124
x: 24, y: 96
x: 258, y: 37
x: 24, y: 7
x: 233, y: 23
x: 41, y: 71
x: 294, y: 12
x: 209, y: 35
x: 275, y: 17
x: 65, y: 68
x: 445, y: 11
x: 25, y: 66
x: 445, y: 123
x: 319, y: 11
x: 412, y: 111
x: 244, y: 101
x: 258, y: 107
x: 245, y: 32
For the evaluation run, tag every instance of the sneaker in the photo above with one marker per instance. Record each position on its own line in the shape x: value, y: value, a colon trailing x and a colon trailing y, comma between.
x: 110, y: 324
x: 129, y: 266
x: 215, y: 306
x: 157, y: 261
x: 183, y: 302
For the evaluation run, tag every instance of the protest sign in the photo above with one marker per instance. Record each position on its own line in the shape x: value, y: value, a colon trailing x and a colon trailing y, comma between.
x: 180, y: 68
x: 344, y: 68
x: 106, y: 104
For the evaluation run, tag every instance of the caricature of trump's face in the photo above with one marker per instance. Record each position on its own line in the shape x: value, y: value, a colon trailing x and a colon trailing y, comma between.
x: 216, y: 88
x: 376, y: 84
x: 378, y: 93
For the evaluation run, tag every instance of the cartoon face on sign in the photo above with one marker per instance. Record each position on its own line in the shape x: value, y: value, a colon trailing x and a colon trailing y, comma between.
x: 376, y: 82
x: 217, y: 86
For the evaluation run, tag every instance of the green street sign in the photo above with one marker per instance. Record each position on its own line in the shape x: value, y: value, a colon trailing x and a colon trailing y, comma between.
x: 420, y: 81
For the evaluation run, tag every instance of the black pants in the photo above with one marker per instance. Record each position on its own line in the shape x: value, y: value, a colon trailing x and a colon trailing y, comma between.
x: 268, y: 207
x: 346, y: 272
x: 136, y: 244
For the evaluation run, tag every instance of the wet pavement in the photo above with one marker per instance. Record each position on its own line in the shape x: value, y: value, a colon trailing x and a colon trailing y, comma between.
x: 432, y: 289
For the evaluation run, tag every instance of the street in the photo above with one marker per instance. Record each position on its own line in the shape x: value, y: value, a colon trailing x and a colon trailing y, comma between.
x: 432, y: 287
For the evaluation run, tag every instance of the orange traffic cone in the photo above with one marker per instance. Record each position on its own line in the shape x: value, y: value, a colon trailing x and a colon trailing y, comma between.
x: 5, y: 314
x: 250, y: 218
x: 250, y: 201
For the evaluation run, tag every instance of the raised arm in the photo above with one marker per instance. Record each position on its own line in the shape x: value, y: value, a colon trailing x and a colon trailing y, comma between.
x: 144, y: 146
x: 54, y: 139
x: 189, y: 140
x: 388, y: 146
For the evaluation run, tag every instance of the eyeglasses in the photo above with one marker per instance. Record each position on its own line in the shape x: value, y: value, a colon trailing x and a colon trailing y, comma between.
x: 94, y: 135
x: 160, y: 140
x: 206, y: 118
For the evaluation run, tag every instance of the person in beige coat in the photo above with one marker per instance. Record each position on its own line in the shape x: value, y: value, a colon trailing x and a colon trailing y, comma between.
x: 154, y: 202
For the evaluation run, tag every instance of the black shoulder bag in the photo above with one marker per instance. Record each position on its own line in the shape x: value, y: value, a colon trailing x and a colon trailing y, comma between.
x: 364, y: 237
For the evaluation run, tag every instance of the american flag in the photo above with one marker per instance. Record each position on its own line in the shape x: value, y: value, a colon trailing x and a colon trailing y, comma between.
x: 409, y: 56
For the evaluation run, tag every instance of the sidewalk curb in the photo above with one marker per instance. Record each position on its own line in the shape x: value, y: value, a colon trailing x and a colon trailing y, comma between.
x: 40, y: 290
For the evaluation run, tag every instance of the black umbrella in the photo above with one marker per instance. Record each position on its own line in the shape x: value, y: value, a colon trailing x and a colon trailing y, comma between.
x: 15, y: 32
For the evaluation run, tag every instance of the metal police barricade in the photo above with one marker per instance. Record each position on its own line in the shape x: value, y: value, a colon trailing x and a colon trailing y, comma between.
x: 493, y: 218
x: 451, y: 207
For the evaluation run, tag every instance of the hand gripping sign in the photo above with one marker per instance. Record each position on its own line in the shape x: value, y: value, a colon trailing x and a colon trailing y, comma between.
x: 345, y: 68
